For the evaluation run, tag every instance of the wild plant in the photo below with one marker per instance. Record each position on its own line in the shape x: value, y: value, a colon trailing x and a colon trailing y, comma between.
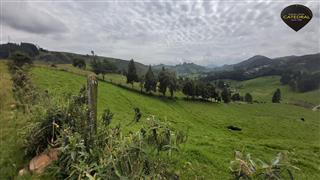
x: 244, y: 167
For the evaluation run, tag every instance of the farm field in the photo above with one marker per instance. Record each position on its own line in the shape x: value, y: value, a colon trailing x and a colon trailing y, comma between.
x: 267, y: 128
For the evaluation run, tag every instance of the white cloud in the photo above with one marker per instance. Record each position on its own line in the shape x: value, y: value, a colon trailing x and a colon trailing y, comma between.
x: 205, y: 32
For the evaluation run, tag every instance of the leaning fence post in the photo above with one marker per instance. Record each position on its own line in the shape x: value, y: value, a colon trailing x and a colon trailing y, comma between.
x: 92, y: 88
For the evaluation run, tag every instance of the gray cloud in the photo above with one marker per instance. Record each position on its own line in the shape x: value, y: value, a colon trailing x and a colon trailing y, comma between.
x: 152, y: 32
x: 24, y: 17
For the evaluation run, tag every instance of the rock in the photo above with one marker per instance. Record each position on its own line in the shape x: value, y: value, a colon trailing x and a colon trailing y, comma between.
x: 23, y: 172
x: 40, y: 162
x: 13, y: 106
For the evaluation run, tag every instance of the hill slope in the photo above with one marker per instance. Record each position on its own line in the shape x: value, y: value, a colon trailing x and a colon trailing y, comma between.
x: 55, y: 57
x: 259, y: 66
x: 267, y: 128
x: 183, y: 69
x: 262, y: 89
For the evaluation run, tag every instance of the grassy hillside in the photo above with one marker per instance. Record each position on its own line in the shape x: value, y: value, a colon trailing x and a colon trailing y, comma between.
x: 263, y: 88
x: 266, y: 128
x: 11, y: 152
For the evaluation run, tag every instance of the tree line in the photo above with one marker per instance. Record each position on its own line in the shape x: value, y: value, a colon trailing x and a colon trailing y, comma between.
x: 301, y: 81
x: 167, y: 82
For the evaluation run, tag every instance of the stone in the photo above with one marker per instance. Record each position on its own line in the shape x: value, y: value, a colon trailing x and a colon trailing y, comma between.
x: 23, y: 172
x: 40, y: 162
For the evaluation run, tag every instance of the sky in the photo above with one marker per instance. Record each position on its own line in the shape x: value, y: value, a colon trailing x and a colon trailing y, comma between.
x: 168, y: 32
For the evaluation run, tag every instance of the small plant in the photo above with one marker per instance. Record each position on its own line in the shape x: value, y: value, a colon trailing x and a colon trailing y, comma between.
x: 106, y: 117
x: 243, y: 167
x: 137, y: 114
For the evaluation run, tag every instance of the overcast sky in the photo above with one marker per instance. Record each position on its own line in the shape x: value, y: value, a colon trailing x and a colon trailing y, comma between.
x: 169, y: 32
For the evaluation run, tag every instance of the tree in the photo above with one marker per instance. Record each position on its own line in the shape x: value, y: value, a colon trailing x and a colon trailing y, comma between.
x: 276, y: 96
x: 189, y: 89
x: 20, y: 59
x: 172, y: 83
x: 163, y: 81
x: 248, y: 98
x: 150, y: 81
x: 141, y: 83
x: 211, y: 91
x: 132, y: 73
x: 226, y: 95
x: 236, y: 97
x: 95, y: 65
x: 78, y: 62
x: 106, y: 67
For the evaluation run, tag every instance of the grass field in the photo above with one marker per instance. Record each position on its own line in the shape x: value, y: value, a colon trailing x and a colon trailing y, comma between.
x: 263, y: 88
x: 266, y: 128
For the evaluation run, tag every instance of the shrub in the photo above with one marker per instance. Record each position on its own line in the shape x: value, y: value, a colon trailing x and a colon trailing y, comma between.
x: 248, y: 98
x: 19, y: 59
x: 236, y: 97
x: 116, y: 156
x: 276, y: 96
x: 44, y: 133
x: 243, y: 167
x: 106, y: 117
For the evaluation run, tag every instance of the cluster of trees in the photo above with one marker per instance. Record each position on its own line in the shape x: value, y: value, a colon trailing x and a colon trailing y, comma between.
x: 301, y: 81
x: 218, y: 91
x: 165, y: 81
x: 199, y: 89
x: 102, y: 66
x: 6, y: 50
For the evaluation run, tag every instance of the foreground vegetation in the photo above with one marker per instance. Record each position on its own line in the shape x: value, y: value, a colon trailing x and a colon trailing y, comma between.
x: 267, y: 129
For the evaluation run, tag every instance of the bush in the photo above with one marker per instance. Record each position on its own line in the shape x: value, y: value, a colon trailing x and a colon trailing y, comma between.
x: 276, y: 96
x: 116, y: 156
x: 80, y: 63
x: 45, y: 133
x: 106, y: 117
x: 248, y: 98
x: 112, y: 154
x: 236, y: 97
x: 19, y: 59
x: 243, y: 167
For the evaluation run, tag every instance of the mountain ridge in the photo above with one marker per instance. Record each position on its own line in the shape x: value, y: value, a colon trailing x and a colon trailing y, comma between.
x: 249, y: 65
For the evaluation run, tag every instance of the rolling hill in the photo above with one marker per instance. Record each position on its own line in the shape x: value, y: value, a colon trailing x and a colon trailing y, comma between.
x: 259, y: 66
x: 184, y: 69
x: 267, y: 128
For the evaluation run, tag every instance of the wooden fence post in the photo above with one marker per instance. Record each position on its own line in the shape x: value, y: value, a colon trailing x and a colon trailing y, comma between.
x: 92, y: 89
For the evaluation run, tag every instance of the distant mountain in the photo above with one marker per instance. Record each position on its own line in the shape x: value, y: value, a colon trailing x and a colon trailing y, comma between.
x: 258, y: 66
x: 253, y: 62
x: 43, y: 55
x: 183, y: 69
x: 253, y: 67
